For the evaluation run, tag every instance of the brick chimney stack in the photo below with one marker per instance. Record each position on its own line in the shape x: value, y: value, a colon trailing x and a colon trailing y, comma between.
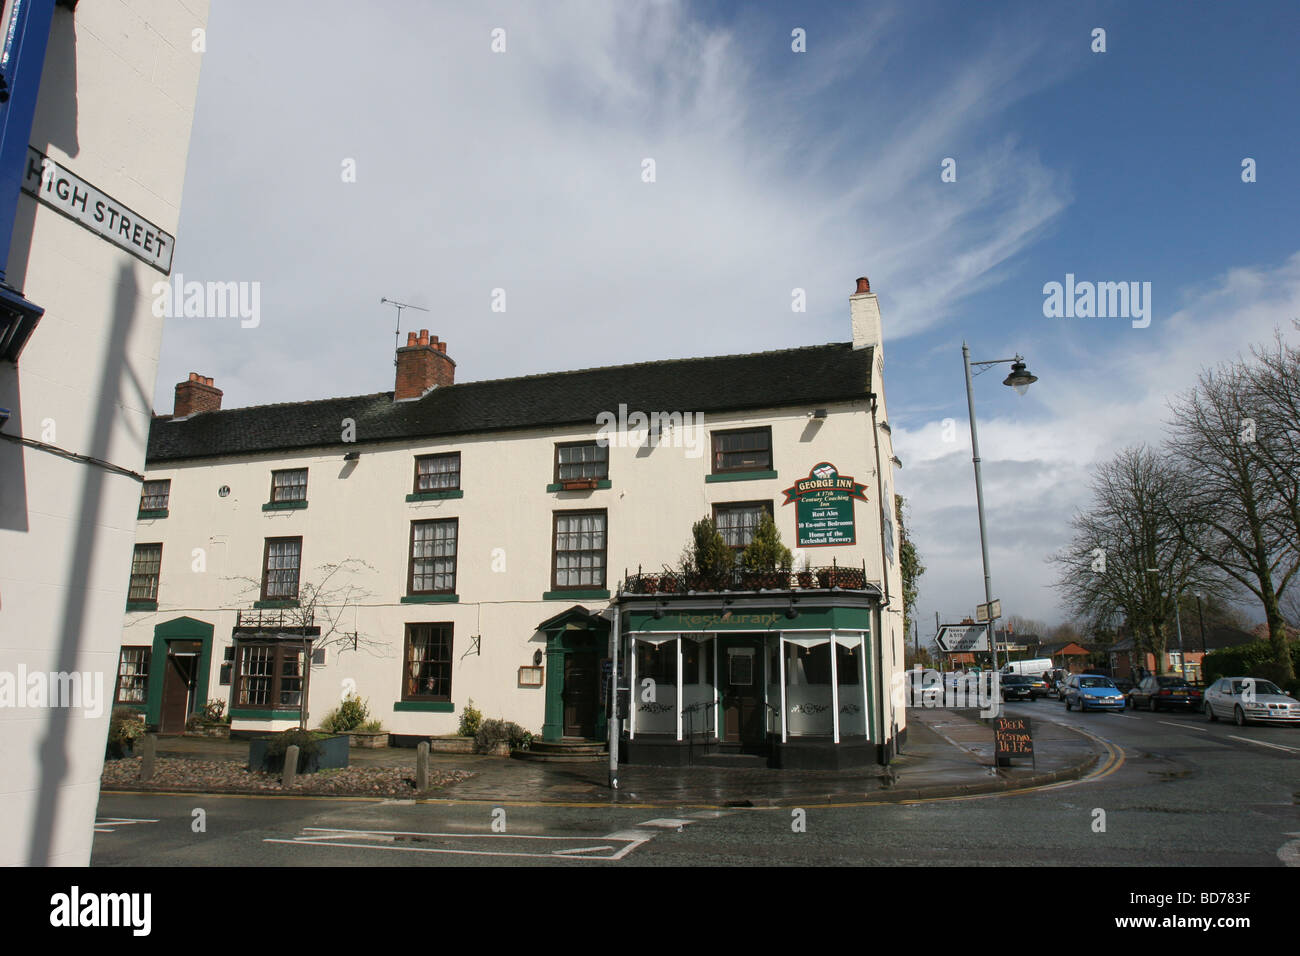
x: 196, y: 395
x: 422, y: 364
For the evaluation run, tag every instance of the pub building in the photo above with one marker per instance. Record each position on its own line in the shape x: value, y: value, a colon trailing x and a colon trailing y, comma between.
x: 510, y: 527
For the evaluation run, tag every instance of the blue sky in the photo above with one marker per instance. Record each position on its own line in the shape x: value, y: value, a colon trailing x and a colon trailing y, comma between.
x: 775, y: 170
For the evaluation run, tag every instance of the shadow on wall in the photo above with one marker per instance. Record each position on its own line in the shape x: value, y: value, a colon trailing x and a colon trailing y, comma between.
x: 105, y: 405
x: 55, y: 123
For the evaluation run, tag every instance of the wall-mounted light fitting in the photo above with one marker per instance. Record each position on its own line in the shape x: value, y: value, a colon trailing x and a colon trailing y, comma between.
x: 352, y: 456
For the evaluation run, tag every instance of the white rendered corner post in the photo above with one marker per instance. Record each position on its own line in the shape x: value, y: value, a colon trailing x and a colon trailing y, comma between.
x: 864, y: 313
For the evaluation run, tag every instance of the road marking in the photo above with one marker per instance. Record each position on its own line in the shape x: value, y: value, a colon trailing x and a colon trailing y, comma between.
x: 666, y: 823
x: 387, y: 840
x: 1248, y: 740
x: 1167, y: 723
x: 109, y: 824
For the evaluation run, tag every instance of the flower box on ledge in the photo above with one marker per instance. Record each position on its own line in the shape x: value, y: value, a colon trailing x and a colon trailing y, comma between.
x: 578, y: 484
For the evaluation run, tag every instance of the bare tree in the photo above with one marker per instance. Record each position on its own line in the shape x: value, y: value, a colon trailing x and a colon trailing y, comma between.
x: 1232, y: 435
x: 1133, y: 551
x: 327, y: 603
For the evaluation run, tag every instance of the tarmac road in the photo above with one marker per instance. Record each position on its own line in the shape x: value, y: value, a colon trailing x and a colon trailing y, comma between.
x: 1174, y: 790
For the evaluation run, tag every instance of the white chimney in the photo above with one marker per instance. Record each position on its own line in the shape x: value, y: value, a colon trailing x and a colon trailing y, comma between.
x: 864, y: 310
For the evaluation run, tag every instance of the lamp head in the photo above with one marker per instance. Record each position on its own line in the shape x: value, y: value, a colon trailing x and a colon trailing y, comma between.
x: 1020, y: 378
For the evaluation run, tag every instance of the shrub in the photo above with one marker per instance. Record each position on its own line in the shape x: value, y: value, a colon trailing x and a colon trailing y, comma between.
x: 372, y: 727
x: 766, y: 552
x: 1247, y: 660
x: 306, y: 741
x: 214, y: 712
x: 493, y: 732
x: 194, y: 722
x: 348, y: 715
x: 125, y: 726
x: 707, y: 558
x: 471, y: 719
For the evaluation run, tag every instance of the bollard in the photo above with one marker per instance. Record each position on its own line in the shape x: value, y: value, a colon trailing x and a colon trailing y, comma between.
x: 422, y: 766
x: 290, y: 773
x: 148, y: 751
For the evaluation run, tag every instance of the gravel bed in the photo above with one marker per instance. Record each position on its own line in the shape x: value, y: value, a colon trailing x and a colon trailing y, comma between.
x: 216, y: 776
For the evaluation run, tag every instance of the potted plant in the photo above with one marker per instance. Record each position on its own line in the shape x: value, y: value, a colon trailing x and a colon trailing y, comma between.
x: 765, y: 559
x: 707, y: 561
x: 827, y: 577
x: 668, y: 583
x: 370, y: 734
x: 316, y: 751
x: 212, y: 722
x: 805, y: 578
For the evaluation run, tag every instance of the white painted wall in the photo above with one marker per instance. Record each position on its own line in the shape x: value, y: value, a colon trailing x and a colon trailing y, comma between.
x: 116, y: 106
x: 360, y: 512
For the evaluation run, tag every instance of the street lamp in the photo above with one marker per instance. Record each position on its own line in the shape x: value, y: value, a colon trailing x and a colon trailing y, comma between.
x: 1020, y: 380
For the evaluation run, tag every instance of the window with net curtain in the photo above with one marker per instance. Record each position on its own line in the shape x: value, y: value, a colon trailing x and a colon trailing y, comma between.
x: 433, y: 556
x: 280, y: 578
x: 579, y: 550
x: 428, y: 662
x: 437, y: 472
x: 133, y: 675
x: 737, y: 522
x: 146, y: 564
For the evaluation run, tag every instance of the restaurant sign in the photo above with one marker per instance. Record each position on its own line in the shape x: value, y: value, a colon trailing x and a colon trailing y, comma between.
x: 824, y: 507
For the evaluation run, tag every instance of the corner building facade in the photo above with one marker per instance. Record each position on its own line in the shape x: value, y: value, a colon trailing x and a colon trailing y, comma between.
x: 483, y: 540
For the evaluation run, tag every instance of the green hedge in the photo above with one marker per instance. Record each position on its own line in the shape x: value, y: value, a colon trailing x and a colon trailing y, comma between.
x: 1249, y: 660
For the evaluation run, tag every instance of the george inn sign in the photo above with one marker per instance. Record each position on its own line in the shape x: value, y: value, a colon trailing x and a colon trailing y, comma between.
x: 824, y: 507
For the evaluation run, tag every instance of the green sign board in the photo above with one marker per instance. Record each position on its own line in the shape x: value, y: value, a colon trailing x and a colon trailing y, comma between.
x: 824, y: 507
x: 751, y: 619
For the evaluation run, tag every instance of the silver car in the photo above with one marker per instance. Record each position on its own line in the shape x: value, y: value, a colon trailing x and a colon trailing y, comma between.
x: 1246, y: 699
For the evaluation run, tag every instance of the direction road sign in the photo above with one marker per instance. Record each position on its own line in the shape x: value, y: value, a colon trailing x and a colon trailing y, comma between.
x: 982, y: 611
x: 954, y: 638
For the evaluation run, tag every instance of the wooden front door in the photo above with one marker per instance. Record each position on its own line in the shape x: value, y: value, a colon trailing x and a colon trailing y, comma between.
x: 741, y: 687
x: 580, y: 686
x: 178, y: 687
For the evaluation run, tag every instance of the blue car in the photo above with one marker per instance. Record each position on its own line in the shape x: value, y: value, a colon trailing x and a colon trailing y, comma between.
x: 1092, y: 692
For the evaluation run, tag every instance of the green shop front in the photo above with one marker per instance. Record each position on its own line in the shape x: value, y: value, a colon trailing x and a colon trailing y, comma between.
x: 786, y: 678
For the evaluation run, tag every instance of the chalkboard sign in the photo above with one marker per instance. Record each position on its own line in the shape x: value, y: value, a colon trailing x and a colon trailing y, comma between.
x: 606, y: 678
x: 1013, y: 738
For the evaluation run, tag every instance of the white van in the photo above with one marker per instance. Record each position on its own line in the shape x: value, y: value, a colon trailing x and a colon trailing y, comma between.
x: 1030, y: 668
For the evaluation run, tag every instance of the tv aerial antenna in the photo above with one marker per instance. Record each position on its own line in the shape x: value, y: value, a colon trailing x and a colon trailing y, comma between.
x: 397, y: 336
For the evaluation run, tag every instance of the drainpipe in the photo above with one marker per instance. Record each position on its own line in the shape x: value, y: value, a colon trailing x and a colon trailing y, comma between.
x: 612, y: 723
x: 886, y: 727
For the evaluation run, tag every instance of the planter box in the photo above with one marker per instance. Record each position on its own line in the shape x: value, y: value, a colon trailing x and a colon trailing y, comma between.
x: 210, y: 730
x: 333, y: 753
x: 364, y: 738
x: 451, y: 745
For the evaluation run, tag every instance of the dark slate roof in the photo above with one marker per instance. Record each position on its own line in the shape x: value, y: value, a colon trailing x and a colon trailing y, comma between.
x: 816, y: 373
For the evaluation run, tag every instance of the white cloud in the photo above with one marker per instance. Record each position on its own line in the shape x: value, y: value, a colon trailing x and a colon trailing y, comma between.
x: 522, y: 171
x: 1037, y: 455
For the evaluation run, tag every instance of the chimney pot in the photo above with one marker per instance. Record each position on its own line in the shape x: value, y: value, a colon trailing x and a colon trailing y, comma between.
x: 410, y: 339
x: 864, y: 285
x: 424, y: 337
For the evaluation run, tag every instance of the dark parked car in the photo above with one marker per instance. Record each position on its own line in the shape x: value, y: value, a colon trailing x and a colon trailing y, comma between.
x: 1017, y: 687
x: 1124, y: 684
x: 1164, y: 691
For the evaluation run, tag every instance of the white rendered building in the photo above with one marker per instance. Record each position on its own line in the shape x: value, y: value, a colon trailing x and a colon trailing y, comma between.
x: 481, y: 539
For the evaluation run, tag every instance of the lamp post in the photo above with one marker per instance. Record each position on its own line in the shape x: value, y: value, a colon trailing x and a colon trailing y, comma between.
x: 1020, y: 380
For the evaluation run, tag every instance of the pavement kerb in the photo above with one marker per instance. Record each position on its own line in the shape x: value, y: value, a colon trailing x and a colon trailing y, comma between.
x: 999, y: 784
